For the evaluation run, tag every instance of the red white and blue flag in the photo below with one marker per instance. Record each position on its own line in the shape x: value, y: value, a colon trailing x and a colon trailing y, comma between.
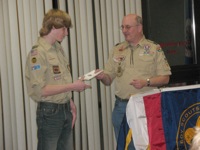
x: 165, y: 119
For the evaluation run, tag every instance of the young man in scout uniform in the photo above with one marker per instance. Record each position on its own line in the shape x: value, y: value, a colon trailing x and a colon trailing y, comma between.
x: 49, y: 83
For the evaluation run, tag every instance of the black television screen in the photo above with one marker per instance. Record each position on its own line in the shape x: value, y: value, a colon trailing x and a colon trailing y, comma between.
x: 174, y: 24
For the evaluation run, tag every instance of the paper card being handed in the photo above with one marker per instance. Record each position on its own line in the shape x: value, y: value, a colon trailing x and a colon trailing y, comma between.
x: 90, y: 75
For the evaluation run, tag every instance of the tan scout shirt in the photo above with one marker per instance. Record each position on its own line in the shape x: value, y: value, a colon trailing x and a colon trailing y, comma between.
x: 144, y: 61
x: 47, y: 65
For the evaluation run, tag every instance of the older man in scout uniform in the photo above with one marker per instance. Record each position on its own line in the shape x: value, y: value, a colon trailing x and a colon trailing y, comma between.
x: 136, y: 65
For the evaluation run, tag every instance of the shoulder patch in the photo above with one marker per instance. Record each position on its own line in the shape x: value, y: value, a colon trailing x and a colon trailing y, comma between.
x: 34, y: 52
x: 158, y: 48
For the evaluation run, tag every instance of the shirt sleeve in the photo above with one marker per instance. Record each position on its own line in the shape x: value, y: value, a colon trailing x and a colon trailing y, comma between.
x: 35, y: 74
x: 163, y: 67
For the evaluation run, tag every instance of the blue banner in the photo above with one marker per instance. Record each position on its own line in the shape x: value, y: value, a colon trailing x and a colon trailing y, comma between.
x: 180, y: 113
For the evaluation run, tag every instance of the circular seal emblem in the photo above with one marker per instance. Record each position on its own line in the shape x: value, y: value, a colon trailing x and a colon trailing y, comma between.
x: 189, y: 118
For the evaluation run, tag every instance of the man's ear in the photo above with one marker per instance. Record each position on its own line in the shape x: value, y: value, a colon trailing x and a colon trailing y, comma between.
x: 140, y: 28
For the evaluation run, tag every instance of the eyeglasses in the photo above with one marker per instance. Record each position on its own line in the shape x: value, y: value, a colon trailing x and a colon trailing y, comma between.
x: 127, y: 27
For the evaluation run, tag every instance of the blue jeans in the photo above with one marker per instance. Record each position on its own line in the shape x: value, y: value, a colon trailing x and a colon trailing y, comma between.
x: 54, y: 123
x: 117, y: 117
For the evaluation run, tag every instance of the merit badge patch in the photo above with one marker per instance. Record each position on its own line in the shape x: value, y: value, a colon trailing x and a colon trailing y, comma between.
x: 36, y: 67
x: 56, y: 69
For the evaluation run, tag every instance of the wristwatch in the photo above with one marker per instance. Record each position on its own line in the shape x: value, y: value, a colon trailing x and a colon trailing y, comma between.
x: 148, y: 82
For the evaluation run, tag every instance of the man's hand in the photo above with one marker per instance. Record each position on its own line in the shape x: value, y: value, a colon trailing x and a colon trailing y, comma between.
x: 138, y: 84
x: 79, y: 85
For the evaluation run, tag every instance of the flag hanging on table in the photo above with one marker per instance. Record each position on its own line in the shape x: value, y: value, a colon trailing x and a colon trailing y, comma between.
x: 167, y: 120
x: 152, y: 105
x: 136, y: 118
x: 125, y: 136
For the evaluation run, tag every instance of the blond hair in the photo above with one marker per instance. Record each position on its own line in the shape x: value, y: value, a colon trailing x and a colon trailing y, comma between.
x: 55, y: 18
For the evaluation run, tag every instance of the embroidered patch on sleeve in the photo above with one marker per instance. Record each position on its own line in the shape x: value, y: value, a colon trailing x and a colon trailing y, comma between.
x: 34, y: 52
x: 36, y: 67
x: 34, y: 60
x: 159, y: 49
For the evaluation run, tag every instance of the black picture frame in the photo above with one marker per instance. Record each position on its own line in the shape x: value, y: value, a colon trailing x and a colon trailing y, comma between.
x: 186, y: 74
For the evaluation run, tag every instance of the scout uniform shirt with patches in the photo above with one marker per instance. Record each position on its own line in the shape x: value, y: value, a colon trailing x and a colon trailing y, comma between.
x: 128, y: 62
x: 47, y: 65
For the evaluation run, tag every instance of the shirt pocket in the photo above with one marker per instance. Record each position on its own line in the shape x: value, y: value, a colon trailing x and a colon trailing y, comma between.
x: 145, y: 64
x: 56, y: 71
x: 54, y: 66
x: 119, y: 64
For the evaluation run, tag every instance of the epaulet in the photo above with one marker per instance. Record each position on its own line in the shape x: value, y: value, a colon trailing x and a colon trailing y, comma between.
x: 35, y: 46
x: 155, y: 43
x: 152, y: 42
x: 117, y: 44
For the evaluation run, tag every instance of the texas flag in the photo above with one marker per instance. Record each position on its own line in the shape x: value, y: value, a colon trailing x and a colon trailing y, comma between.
x: 164, y: 119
